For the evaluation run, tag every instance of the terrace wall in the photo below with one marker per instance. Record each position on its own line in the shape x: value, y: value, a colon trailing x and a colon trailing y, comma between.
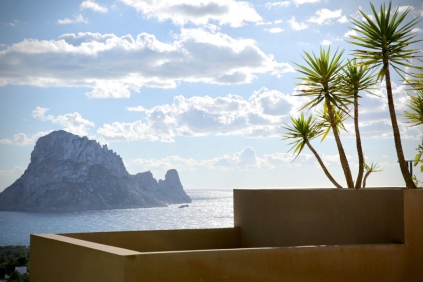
x: 276, y: 218
x: 259, y: 254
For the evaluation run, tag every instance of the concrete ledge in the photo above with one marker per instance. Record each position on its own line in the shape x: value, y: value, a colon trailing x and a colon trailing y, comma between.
x: 165, y: 240
x: 87, y: 244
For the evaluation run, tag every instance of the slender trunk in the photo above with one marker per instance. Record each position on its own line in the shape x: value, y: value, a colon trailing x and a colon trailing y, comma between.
x: 365, y: 178
x: 397, y: 137
x: 359, y: 148
x: 342, y: 156
x: 323, y: 166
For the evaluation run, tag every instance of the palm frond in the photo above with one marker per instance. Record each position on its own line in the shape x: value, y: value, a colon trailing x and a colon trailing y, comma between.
x: 415, y: 104
x: 301, y: 130
x: 324, y: 121
x: 386, y: 38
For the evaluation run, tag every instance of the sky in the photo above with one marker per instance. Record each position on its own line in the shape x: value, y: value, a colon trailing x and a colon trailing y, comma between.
x: 200, y: 86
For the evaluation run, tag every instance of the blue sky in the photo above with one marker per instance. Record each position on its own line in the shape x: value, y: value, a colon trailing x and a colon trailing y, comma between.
x: 200, y: 86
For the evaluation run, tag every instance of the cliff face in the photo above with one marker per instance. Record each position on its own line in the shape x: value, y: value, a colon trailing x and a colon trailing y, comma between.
x: 68, y: 172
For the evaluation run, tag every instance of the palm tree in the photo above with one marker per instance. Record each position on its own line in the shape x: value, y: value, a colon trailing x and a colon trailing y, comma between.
x: 386, y: 44
x: 356, y: 78
x: 322, y: 82
x: 302, y: 131
x: 369, y: 169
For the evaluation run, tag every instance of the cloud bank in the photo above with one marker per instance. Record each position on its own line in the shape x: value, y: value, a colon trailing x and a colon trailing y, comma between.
x: 258, y: 117
x: 245, y: 159
x: 113, y: 67
x: 200, y: 12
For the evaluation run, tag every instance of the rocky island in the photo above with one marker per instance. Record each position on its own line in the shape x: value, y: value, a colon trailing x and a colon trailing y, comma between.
x: 70, y: 173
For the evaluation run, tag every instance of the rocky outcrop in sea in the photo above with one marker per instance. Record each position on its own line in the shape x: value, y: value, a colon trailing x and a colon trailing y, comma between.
x: 69, y: 173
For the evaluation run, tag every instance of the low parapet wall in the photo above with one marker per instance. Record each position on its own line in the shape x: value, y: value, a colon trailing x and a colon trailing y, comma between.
x: 60, y: 258
x: 63, y: 258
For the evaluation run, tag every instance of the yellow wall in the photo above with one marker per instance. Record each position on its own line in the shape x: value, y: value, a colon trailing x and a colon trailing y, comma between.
x: 319, y: 217
x: 62, y: 258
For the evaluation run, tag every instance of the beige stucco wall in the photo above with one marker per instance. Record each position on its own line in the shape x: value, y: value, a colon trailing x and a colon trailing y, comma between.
x: 319, y: 217
x: 62, y: 258
x: 72, y: 262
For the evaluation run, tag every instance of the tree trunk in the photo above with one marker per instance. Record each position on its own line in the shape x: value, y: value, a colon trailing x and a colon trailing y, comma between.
x: 342, y: 156
x: 397, y: 137
x: 359, y: 147
x: 323, y: 166
x: 365, y: 178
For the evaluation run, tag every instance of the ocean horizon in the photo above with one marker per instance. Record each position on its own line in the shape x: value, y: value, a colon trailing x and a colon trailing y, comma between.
x: 210, y: 208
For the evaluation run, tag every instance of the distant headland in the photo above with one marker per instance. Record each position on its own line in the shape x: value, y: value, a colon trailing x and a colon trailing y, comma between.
x: 70, y: 173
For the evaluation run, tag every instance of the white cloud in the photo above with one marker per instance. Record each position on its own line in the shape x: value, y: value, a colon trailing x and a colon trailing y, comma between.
x: 113, y: 66
x: 371, y: 17
x: 76, y: 19
x: 258, y: 117
x: 264, y: 23
x: 402, y: 9
x: 126, y: 131
x: 201, y: 12
x: 350, y: 33
x: 92, y: 5
x: 301, y: 2
x: 325, y: 42
x: 73, y: 123
x: 136, y: 109
x: 332, y: 160
x: 246, y: 159
x: 278, y: 21
x: 12, y: 24
x: 296, y: 25
x: 40, y: 113
x: 342, y: 19
x: 21, y: 139
x: 271, y: 5
x: 325, y: 16
x: 170, y: 162
x: 274, y: 30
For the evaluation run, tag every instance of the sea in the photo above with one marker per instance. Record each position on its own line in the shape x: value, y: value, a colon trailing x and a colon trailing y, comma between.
x: 209, y: 209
